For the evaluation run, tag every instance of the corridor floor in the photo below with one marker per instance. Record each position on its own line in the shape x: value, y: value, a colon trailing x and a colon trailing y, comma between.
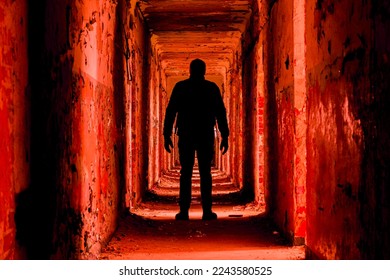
x: 241, y: 232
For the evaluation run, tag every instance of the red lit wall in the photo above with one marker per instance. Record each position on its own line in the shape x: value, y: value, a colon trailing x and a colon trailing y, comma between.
x: 85, y: 129
x: 347, y: 158
x: 254, y: 92
x: 103, y: 119
x: 236, y: 122
x: 276, y: 96
x: 137, y: 108
x: 14, y: 120
x: 80, y: 92
x: 282, y: 113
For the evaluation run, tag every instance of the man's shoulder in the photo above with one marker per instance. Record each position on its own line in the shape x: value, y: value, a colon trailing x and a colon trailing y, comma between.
x: 182, y: 83
x: 189, y: 83
x: 211, y: 85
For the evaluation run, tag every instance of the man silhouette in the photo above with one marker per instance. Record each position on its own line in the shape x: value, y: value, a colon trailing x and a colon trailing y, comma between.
x: 197, y: 104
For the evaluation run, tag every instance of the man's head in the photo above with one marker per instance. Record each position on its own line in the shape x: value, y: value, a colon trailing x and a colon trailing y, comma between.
x: 197, y: 68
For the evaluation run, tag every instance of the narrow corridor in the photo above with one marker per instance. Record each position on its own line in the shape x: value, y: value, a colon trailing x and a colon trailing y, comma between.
x: 83, y: 90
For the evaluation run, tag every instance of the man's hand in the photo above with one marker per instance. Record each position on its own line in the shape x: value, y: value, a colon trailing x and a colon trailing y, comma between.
x: 168, y: 144
x: 224, y: 145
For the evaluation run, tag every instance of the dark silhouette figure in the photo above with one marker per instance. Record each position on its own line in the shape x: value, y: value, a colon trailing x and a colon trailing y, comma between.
x: 197, y: 104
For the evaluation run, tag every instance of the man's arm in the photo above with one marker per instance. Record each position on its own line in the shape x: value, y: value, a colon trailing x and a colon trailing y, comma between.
x: 222, y: 121
x: 170, y: 115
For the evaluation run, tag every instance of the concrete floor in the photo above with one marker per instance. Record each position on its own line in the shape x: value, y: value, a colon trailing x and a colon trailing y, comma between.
x: 241, y: 232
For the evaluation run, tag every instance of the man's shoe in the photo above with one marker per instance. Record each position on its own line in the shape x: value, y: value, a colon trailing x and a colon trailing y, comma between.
x: 182, y: 216
x: 209, y: 216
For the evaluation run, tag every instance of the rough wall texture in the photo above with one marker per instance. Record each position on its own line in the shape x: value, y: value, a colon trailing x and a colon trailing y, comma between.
x: 253, y: 88
x: 139, y: 105
x: 91, y: 165
x: 300, y: 127
x: 279, y: 72
x: 136, y: 48
x: 236, y: 123
x: 347, y: 154
x: 14, y: 124
x: 154, y: 124
x: 281, y: 79
x: 76, y: 78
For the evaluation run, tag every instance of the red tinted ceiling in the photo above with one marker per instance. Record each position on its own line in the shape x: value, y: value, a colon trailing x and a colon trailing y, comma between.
x: 182, y: 30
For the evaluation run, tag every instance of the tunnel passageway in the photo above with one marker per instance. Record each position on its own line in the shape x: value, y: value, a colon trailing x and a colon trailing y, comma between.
x: 83, y: 90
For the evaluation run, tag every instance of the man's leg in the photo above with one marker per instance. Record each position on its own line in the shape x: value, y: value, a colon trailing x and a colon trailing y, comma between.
x: 205, y: 154
x: 187, y: 158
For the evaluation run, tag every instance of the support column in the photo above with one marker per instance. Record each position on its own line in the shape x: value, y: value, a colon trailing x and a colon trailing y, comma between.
x: 300, y: 98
